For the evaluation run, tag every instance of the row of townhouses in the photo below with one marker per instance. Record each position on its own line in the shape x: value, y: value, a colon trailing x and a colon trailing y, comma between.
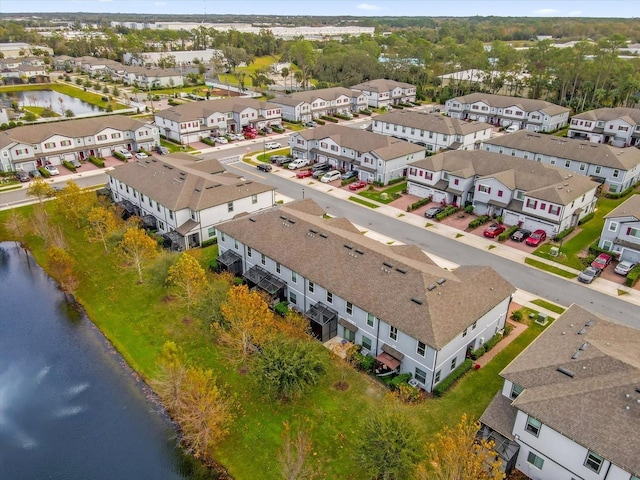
x: 184, y: 200
x: 621, y: 230
x: 31, y: 146
x: 377, y: 158
x: 529, y: 194
x: 569, y: 407
x: 407, y: 312
x: 618, y: 168
x: 433, y: 131
x: 383, y: 93
x: 307, y: 105
x: 192, y: 121
x: 619, y: 127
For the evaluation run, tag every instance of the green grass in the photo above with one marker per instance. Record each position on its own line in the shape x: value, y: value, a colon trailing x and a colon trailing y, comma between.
x: 392, y: 193
x: 548, y: 305
x: 363, y: 202
x: 549, y: 268
x: 10, y: 187
x: 72, y: 91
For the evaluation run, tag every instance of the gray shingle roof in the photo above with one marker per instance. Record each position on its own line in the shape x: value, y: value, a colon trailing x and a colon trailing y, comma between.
x: 536, y: 179
x: 629, y: 208
x: 500, y: 415
x: 359, y: 274
x: 196, y: 110
x: 310, y: 96
x: 380, y: 85
x: 178, y: 187
x: 631, y: 115
x: 592, y: 408
x: 432, y: 122
x: 570, y: 149
x: 503, y: 101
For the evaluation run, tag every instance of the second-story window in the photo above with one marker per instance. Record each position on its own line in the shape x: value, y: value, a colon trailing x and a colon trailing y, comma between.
x: 393, y: 333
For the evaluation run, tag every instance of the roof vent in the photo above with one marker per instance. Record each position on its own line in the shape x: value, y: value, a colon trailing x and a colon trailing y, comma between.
x: 311, y: 230
x: 441, y: 281
x: 388, y: 265
x: 431, y: 287
x: 638, y: 389
x: 359, y: 251
x: 417, y: 301
x: 575, y: 355
x: 348, y: 246
x: 566, y: 372
x: 324, y: 235
x: 283, y: 217
x: 291, y: 221
x: 582, y: 331
x: 589, y: 323
x: 583, y: 346
x: 252, y: 220
x: 401, y: 270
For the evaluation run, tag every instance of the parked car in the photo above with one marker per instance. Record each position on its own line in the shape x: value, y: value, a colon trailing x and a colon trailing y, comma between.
x: 433, y: 211
x: 512, y: 128
x: 494, y: 230
x: 266, y: 130
x: 536, y: 238
x: 125, y: 153
x: 52, y: 169
x: 319, y: 169
x: 161, y: 150
x: 310, y: 124
x: 357, y: 185
x: 330, y: 176
x: 35, y: 174
x: 75, y: 162
x: 602, y: 261
x: 349, y: 174
x: 298, y: 163
x: 272, y: 145
x: 624, y: 267
x: 589, y: 274
x: 277, y: 159
x: 249, y: 135
x: 141, y: 155
x: 265, y: 167
x: 520, y: 235
x: 304, y: 173
x: 23, y: 176
x: 220, y: 140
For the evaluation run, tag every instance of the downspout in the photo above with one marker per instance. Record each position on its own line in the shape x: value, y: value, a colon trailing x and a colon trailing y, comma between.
x: 377, y: 336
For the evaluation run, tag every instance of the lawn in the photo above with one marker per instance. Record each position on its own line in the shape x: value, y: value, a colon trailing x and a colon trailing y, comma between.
x: 72, y: 91
x: 363, y: 202
x: 138, y: 319
x: 549, y: 268
x: 386, y: 195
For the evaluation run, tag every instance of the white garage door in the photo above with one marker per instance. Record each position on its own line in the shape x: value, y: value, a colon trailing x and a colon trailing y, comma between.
x: 105, y: 152
x: 54, y: 159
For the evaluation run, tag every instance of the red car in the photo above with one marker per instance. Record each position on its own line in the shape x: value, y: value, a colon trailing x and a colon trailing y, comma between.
x: 304, y: 173
x: 357, y: 185
x: 601, y: 261
x: 249, y: 135
x: 494, y: 230
x: 536, y: 238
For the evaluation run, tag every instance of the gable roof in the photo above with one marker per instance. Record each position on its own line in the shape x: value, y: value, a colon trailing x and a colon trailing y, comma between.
x: 384, y: 146
x: 311, y: 96
x: 380, y: 85
x: 599, y: 407
x: 503, y: 101
x: 195, y: 110
x: 432, y: 122
x: 178, y: 187
x: 396, y: 284
x: 629, y: 208
x: 536, y: 179
x: 570, y: 149
x: 629, y: 115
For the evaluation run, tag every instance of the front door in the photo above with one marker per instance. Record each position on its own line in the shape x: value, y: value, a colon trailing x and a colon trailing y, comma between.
x: 349, y: 336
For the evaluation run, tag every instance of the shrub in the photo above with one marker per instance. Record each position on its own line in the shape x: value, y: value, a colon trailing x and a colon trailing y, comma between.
x: 119, y: 156
x: 507, y: 233
x: 208, y: 243
x: 281, y: 308
x: 97, y: 161
x: 213, y: 265
x: 594, y: 249
x: 450, y: 210
x: 477, y: 353
x: 586, y: 218
x: 479, y: 221
x: 208, y: 141
x: 319, y: 121
x: 408, y: 394
x: 44, y: 172
x: 516, y: 316
x: 508, y: 328
x: 563, y: 234
x: 448, y: 382
x: 396, y: 180
x: 418, y: 204
x: 69, y: 165
x: 329, y: 119
x: 492, y: 342
x: 348, y: 181
x: 624, y: 193
x: 468, y: 209
x: 632, y: 277
x: 399, y: 380
x: 366, y: 111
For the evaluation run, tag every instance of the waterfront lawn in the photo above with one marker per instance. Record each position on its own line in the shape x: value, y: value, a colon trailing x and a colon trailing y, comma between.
x: 72, y: 91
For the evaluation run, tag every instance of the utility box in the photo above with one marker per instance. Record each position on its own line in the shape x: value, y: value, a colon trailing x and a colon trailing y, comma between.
x: 554, y: 251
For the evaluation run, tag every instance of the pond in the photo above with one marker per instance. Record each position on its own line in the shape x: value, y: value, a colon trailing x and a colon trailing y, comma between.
x: 58, y: 102
x: 70, y: 408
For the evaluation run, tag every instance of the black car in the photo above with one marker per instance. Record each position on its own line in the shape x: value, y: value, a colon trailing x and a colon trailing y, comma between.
x: 433, y: 211
x: 349, y: 174
x: 161, y: 150
x: 22, y: 176
x: 319, y: 169
x: 520, y: 235
x: 278, y: 159
x: 265, y: 167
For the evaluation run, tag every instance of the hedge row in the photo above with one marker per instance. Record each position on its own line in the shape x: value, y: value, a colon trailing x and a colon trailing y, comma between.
x: 97, y: 161
x: 120, y: 156
x: 479, y: 221
x: 211, y: 241
x: 366, y: 111
x: 450, y: 210
x: 44, y: 172
x: 586, y: 218
x: 418, y: 204
x: 507, y: 233
x: 69, y: 165
x: 594, y: 249
x: 208, y: 141
x: 329, y: 119
x: 621, y: 194
x: 563, y: 234
x: 448, y: 382
x: 632, y: 277
x: 399, y: 380
x: 480, y: 351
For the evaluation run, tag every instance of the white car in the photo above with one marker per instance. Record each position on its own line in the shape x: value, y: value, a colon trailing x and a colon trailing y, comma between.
x: 141, y: 155
x: 330, y: 176
x: 298, y: 163
x: 52, y: 169
x: 125, y: 153
x: 512, y: 128
x: 272, y: 145
x: 624, y: 267
x: 220, y: 140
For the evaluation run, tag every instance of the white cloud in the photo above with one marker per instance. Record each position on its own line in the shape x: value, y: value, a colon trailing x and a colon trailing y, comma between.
x: 369, y: 7
x: 547, y: 11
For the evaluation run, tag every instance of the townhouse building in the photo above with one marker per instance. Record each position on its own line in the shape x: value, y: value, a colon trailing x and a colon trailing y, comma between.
x: 617, y: 168
x: 184, y: 200
x: 377, y: 158
x: 405, y: 311
x: 569, y: 407
x: 529, y: 194
x: 147, y: 78
x: 433, y: 131
x: 621, y: 230
x: 619, y: 127
x: 192, y: 121
x: 382, y: 93
x: 305, y: 106
x: 31, y: 146
x: 503, y: 111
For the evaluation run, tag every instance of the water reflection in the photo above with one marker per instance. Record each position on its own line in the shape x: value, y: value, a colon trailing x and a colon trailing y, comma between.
x: 55, y: 101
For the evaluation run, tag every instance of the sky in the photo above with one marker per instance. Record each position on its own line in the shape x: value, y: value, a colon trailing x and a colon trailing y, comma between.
x: 430, y: 8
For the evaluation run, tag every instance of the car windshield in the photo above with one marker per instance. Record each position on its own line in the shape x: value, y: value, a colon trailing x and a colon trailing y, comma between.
x: 536, y: 235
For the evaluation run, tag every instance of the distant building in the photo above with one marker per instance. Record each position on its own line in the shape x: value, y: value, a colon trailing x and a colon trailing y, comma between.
x: 621, y: 230
x: 311, y: 104
x: 382, y: 93
x: 619, y: 126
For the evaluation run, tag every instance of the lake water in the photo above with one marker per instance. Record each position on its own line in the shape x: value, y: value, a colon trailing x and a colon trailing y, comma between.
x: 68, y: 408
x: 48, y: 99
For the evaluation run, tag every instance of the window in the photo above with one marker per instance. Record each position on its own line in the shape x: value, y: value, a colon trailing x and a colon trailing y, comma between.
x: 171, y: 217
x: 294, y: 277
x: 278, y: 267
x: 515, y: 390
x: 533, y: 426
x: 311, y: 287
x: 420, y: 375
x: 436, y: 378
x: 567, y: 164
x: 464, y: 332
x: 349, y: 308
x: 370, y: 320
x: 329, y: 297
x: 222, y: 236
x: 393, y: 333
x: 633, y: 232
x: 366, y: 343
x: 230, y: 207
x: 616, y: 173
x: 456, y: 181
x: 583, y: 166
x: 254, y: 199
x: 475, y: 324
x: 235, y: 244
x: 613, y: 226
x: 535, y: 460
x: 598, y: 169
x: 422, y: 348
x: 594, y: 462
x: 249, y: 251
x: 50, y: 145
x: 263, y: 259
x: 531, y: 203
x: 454, y: 362
x: 484, y: 188
x: 65, y: 143
x: 554, y: 210
x: 499, y: 193
x: 292, y: 297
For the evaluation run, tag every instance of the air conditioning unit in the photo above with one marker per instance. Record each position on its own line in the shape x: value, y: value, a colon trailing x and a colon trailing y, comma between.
x: 481, y: 340
x: 365, y: 352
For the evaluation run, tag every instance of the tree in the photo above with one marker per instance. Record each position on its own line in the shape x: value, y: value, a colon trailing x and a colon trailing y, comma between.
x: 41, y: 189
x: 170, y: 379
x: 303, y: 55
x: 62, y: 265
x: 457, y: 454
x: 102, y: 224
x: 136, y: 248
x: 391, y: 449
x: 247, y: 319
x: 294, y: 455
x: 74, y: 203
x: 187, y: 279
x: 286, y: 368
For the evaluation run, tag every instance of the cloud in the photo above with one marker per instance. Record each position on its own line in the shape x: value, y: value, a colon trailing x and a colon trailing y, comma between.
x: 369, y: 7
x: 575, y: 13
x: 546, y: 11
